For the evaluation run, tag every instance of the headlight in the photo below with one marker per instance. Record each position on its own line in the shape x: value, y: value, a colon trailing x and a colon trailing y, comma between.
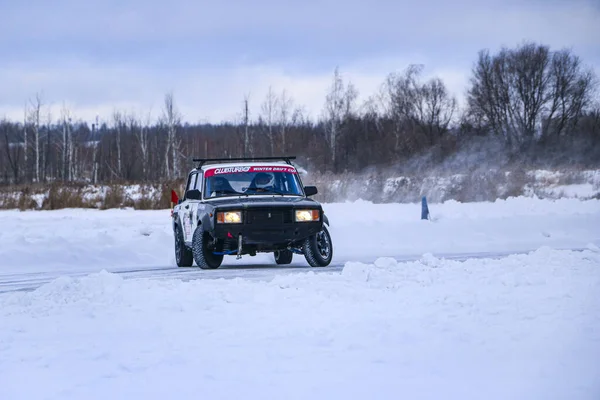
x: 307, y: 215
x: 229, y: 217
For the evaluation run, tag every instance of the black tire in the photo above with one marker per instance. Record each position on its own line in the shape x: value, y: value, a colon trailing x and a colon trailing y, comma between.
x: 203, y: 256
x: 183, y: 255
x: 283, y: 257
x: 318, y: 249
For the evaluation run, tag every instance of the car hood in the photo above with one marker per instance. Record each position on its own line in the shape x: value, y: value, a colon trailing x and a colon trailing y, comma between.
x: 276, y: 201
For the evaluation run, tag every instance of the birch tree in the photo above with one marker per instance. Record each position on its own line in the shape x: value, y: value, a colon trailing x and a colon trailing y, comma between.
x: 34, y: 118
x: 268, y: 109
x: 74, y: 157
x: 66, y: 145
x: 142, y: 137
x: 171, y: 119
x: 48, y: 144
x: 339, y: 105
x: 118, y: 121
x: 25, y: 145
x: 284, y: 118
x: 96, y: 144
x: 246, y: 122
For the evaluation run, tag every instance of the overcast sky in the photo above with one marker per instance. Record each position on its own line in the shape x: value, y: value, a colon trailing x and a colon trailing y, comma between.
x: 98, y: 56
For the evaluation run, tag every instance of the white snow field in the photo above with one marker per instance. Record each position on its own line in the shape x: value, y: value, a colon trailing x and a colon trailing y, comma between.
x: 493, y: 300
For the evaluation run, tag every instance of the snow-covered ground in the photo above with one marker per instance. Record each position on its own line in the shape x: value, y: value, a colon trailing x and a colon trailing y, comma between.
x: 493, y: 300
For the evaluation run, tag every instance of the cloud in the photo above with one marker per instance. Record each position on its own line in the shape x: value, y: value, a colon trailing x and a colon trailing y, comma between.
x: 202, y: 94
x: 102, y: 55
x: 260, y: 31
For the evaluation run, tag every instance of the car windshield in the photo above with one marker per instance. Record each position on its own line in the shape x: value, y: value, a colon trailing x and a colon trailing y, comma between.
x: 251, y: 181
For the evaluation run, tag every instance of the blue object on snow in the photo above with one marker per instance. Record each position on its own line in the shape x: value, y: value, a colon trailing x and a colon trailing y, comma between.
x: 424, y: 208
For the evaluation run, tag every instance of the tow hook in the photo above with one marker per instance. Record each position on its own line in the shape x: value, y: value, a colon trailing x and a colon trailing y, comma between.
x: 294, y: 250
x: 239, y: 254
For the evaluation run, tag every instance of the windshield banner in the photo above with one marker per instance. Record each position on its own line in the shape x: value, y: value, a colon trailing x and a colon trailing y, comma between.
x: 244, y: 169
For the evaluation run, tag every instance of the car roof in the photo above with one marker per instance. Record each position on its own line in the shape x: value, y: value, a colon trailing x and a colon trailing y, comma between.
x: 245, y: 164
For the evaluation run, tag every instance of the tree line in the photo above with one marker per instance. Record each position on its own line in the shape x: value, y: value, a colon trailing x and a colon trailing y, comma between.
x: 530, y: 98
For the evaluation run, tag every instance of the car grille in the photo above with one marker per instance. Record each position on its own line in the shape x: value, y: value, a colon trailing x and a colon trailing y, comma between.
x: 268, y: 216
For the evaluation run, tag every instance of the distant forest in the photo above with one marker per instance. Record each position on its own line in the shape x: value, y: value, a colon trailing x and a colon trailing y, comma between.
x: 529, y: 104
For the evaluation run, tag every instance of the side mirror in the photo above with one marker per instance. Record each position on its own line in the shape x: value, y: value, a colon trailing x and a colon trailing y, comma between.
x: 310, y: 190
x: 193, y: 194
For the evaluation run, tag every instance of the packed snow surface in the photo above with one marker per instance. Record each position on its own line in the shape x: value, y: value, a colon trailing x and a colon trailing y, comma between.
x: 409, y: 309
x: 86, y: 240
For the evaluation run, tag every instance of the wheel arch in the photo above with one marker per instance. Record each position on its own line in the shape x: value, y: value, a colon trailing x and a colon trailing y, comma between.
x: 176, y: 220
x: 204, y: 221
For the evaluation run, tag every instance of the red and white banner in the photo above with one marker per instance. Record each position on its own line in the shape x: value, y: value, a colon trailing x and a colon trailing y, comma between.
x: 253, y: 169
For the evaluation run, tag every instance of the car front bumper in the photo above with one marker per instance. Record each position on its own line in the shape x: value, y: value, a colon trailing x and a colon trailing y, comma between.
x: 268, y: 234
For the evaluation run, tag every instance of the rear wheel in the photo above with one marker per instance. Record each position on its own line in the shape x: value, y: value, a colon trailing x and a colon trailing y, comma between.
x: 204, y: 256
x: 283, y: 257
x: 318, y: 249
x: 183, y: 255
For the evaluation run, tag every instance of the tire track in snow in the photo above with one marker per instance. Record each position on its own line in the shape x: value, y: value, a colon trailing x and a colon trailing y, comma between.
x: 28, y: 281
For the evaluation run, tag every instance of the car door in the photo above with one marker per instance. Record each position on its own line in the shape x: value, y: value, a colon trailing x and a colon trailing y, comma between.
x: 196, y: 205
x: 188, y: 207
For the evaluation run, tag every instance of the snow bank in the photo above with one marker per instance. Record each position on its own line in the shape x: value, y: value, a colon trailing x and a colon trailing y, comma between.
x: 380, y: 187
x: 76, y: 195
x: 515, y: 224
x: 521, y: 327
x: 85, y: 240
x: 473, y: 186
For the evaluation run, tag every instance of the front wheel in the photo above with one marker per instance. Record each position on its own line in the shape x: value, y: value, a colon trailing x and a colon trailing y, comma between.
x: 203, y: 255
x: 318, y: 249
x: 183, y: 255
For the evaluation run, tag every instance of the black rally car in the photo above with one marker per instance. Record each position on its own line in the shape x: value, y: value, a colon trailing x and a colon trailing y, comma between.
x: 239, y: 206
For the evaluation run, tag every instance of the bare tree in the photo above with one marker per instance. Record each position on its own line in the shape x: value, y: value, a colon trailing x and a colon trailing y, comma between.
x: 593, y: 118
x: 285, y: 118
x: 74, y: 150
x: 96, y: 144
x: 129, y: 146
x: 570, y: 92
x: 48, y: 149
x: 118, y: 122
x: 67, y: 143
x: 524, y: 95
x: 436, y: 108
x: 268, y: 112
x: 71, y: 151
x: 529, y: 67
x: 143, y: 142
x: 400, y: 100
x: 246, y: 119
x: 12, y: 149
x: 528, y: 92
x: 339, y: 104
x: 25, y: 145
x: 34, y: 118
x: 171, y: 119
